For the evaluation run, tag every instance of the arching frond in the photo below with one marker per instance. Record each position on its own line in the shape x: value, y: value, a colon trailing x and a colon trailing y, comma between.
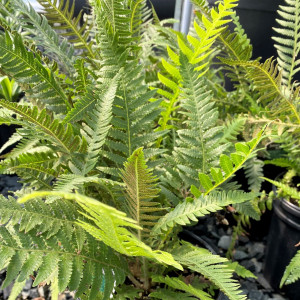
x: 287, y: 42
x: 267, y: 80
x: 28, y: 70
x: 44, y: 35
x: 212, y: 267
x: 190, y: 209
x: 292, y: 272
x: 61, y: 136
x: 229, y: 165
x: 62, y: 18
x: 46, y: 233
x: 178, y: 284
x: 108, y: 225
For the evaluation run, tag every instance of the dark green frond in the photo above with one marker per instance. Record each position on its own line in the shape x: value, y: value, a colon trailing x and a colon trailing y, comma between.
x: 292, y: 272
x: 178, y: 284
x: 212, y: 267
x: 254, y: 171
x: 62, y: 18
x: 44, y: 35
x: 60, y: 135
x: 287, y: 42
x: 191, y: 209
x: 267, y: 81
x: 28, y: 70
x: 38, y: 169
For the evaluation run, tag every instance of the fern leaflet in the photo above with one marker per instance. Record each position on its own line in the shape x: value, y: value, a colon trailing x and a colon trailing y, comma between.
x: 292, y: 271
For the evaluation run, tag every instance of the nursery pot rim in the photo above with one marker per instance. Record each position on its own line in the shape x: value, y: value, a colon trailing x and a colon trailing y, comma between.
x: 288, y: 207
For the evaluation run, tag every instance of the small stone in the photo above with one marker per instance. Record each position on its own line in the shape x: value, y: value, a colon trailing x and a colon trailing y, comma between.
x: 34, y: 293
x: 224, y: 242
x: 256, y: 250
x: 229, y: 231
x: 243, y: 239
x: 256, y: 295
x: 250, y: 286
x: 7, y: 291
x: 221, y: 231
x: 26, y: 290
x: 257, y: 264
x: 11, y: 181
x: 239, y: 255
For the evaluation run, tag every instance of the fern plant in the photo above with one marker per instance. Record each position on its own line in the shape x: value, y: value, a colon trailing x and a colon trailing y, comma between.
x: 272, y: 85
x: 105, y: 191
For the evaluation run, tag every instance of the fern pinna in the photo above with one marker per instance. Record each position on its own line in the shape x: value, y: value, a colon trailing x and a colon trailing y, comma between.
x: 99, y: 172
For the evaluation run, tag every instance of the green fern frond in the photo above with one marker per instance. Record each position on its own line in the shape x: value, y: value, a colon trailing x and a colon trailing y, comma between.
x: 288, y: 190
x: 109, y: 226
x: 249, y: 208
x: 282, y: 162
x: 140, y: 190
x: 287, y: 43
x: 61, y: 18
x: 197, y: 147
x: 37, y: 168
x: 292, y: 271
x: 198, y: 49
x: 43, y: 34
x: 28, y: 70
x: 57, y: 260
x: 178, y: 284
x: 62, y: 136
x: 212, y: 267
x: 202, y: 205
x: 232, y: 129
x: 229, y: 165
x: 254, y: 171
x: 98, y: 125
x: 167, y: 294
x: 267, y: 80
x: 134, y: 114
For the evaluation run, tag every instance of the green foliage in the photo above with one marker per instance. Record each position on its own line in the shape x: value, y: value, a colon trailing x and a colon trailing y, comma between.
x: 9, y: 89
x: 287, y: 41
x: 211, y: 266
x: 178, y: 284
x: 286, y: 189
x: 140, y: 190
x: 44, y: 237
x: 229, y: 165
x: 292, y: 271
x: 109, y: 226
x: 202, y: 205
x: 19, y: 63
x: 60, y: 17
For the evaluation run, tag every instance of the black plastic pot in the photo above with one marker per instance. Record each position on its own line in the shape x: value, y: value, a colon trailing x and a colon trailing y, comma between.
x: 283, y: 236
